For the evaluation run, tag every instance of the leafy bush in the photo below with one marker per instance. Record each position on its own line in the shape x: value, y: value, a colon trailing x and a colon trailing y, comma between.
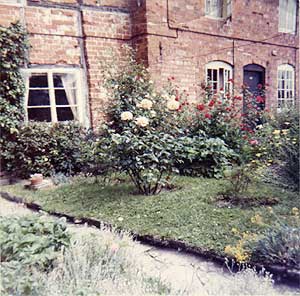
x: 50, y: 149
x: 279, y: 245
x: 13, y: 47
x: 31, y: 240
x: 141, y: 139
x: 203, y: 156
x: 289, y: 150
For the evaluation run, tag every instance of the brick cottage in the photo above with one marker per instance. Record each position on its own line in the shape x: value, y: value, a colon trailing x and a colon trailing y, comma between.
x: 250, y: 41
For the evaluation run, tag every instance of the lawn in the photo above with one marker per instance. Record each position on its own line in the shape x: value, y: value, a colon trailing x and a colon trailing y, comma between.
x: 189, y: 213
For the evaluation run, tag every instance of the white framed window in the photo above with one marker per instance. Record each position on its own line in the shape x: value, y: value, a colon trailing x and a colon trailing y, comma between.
x: 54, y: 95
x: 12, y: 2
x: 218, y: 75
x: 285, y: 86
x: 287, y: 16
x: 218, y: 8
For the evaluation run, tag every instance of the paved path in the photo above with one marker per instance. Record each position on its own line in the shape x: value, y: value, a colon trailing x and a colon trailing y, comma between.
x: 185, y: 272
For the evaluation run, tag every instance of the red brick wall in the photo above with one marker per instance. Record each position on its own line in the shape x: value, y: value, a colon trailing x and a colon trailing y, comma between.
x: 172, y: 37
x: 58, y: 28
x: 182, y: 40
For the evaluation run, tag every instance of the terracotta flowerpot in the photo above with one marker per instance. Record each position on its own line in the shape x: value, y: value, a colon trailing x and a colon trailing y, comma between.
x: 36, y: 179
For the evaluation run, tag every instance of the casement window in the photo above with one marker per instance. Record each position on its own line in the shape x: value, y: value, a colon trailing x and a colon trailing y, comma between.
x: 287, y: 16
x: 218, y: 75
x: 218, y: 8
x: 54, y: 95
x: 12, y: 2
x: 286, y: 86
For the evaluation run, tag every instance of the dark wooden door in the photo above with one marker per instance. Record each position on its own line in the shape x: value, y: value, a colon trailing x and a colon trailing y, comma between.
x: 252, y: 79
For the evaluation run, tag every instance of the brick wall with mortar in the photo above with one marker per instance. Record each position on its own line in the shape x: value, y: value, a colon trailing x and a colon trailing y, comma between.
x: 65, y: 33
x: 172, y: 37
x: 181, y: 40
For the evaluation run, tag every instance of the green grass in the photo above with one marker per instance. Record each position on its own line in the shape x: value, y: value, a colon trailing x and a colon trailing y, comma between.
x: 188, y: 214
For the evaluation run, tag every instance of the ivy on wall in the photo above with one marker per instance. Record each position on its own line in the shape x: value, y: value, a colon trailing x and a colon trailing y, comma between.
x: 13, y: 48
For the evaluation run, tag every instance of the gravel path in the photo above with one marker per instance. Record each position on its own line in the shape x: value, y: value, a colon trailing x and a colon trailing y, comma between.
x: 185, y: 272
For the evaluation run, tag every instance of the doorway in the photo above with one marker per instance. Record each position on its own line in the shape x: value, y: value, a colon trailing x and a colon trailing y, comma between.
x: 254, y: 80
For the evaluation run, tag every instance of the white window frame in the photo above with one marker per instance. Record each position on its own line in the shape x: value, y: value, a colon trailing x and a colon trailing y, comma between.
x: 227, y: 75
x: 13, y: 2
x: 80, y: 101
x: 224, y: 6
x: 284, y: 8
x: 286, y: 86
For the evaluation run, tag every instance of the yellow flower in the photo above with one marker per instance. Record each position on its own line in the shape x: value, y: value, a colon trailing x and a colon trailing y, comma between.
x: 276, y: 132
x: 125, y: 116
x: 234, y: 230
x: 295, y: 211
x: 285, y: 131
x: 173, y: 105
x: 145, y: 104
x: 228, y: 249
x: 256, y: 219
x: 258, y: 154
x: 270, y: 210
x: 142, y: 121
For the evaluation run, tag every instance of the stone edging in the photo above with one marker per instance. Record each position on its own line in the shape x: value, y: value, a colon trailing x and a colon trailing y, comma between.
x: 281, y: 273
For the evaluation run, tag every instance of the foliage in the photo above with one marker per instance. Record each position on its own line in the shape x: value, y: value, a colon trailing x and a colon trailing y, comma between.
x: 189, y: 213
x: 203, y: 156
x: 50, y: 149
x: 96, y: 262
x: 141, y: 138
x: 31, y: 240
x: 275, y: 242
x: 289, y: 150
x: 280, y: 243
x: 13, y: 48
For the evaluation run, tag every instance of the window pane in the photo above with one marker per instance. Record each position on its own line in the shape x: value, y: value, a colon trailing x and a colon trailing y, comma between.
x: 65, y: 98
x: 38, y: 80
x: 209, y: 76
x: 282, y: 13
x: 39, y: 114
x: 65, y: 80
x: 39, y: 97
x: 66, y: 113
x: 215, y: 75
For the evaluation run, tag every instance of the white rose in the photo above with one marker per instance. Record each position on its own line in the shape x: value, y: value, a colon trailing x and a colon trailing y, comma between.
x: 142, y: 121
x: 145, y: 104
x: 126, y: 116
x: 152, y: 113
x: 173, y: 105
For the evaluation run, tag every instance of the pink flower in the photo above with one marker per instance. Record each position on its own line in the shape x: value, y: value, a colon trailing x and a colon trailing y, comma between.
x: 253, y: 142
x: 207, y: 115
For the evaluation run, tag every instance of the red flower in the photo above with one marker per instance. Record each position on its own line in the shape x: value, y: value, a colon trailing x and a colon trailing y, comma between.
x: 259, y: 86
x: 239, y: 98
x: 260, y: 99
x: 221, y: 89
x: 211, y: 103
x: 200, y: 107
x: 177, y: 99
x: 231, y: 80
x: 228, y: 109
x: 207, y: 115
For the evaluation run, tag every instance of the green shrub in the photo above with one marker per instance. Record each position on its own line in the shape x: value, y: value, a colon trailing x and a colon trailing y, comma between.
x: 13, y: 47
x: 203, y: 156
x: 279, y: 245
x: 50, y: 149
x: 31, y: 240
x: 289, y: 150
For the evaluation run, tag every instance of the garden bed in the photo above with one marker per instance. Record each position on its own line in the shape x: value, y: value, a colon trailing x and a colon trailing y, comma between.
x: 187, y: 219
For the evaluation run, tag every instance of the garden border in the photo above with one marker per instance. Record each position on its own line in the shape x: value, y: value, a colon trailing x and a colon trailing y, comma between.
x: 281, y: 273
